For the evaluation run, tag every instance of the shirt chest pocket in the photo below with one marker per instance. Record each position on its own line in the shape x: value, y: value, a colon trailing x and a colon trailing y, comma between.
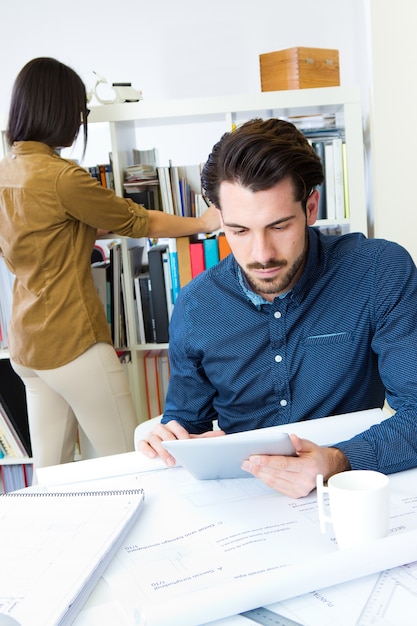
x: 328, y: 339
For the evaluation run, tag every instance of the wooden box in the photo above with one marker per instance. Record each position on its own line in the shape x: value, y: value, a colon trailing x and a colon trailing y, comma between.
x: 299, y: 68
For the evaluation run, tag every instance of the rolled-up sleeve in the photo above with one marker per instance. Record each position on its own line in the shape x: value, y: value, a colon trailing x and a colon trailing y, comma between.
x: 84, y: 199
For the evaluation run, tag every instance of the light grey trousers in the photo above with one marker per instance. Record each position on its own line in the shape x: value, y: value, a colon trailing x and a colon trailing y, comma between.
x: 91, y: 392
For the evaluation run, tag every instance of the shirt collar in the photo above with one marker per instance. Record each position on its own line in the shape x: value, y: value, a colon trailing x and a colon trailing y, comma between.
x: 255, y: 298
x: 31, y: 147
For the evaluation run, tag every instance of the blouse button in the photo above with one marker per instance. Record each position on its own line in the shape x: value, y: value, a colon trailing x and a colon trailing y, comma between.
x: 278, y: 358
x: 277, y: 315
x: 283, y: 402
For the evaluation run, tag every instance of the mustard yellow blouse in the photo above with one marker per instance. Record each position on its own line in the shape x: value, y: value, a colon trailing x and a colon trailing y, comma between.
x: 50, y: 209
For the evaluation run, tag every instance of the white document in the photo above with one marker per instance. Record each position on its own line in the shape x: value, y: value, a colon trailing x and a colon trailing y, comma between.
x: 205, y: 550
x: 242, y: 544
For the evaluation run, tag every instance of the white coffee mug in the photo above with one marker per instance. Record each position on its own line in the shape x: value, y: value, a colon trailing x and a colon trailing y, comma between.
x: 359, y: 506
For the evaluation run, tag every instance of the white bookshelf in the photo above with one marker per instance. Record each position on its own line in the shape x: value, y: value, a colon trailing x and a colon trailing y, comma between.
x: 185, y: 131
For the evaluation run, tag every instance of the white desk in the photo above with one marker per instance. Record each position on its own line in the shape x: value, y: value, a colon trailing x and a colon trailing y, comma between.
x: 341, y: 604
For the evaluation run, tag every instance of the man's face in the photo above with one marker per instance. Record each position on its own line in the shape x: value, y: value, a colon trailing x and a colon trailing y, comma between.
x: 267, y: 232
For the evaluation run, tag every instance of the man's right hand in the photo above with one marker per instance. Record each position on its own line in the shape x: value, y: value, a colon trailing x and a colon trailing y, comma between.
x: 151, y: 446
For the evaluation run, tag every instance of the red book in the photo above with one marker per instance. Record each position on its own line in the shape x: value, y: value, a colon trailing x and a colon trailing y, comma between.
x: 197, y: 258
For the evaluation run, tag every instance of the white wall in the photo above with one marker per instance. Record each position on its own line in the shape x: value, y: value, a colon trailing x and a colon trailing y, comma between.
x: 173, y: 49
x: 393, y: 97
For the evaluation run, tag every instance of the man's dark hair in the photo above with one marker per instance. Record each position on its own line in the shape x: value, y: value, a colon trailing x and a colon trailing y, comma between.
x: 49, y: 104
x: 258, y: 155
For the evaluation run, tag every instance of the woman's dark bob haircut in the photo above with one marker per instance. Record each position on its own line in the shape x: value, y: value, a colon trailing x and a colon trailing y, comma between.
x: 49, y: 104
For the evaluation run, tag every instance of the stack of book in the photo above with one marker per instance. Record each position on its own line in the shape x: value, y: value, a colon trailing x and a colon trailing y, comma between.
x: 171, y: 265
x: 141, y: 182
x: 331, y: 148
x: 181, y: 191
x: 15, y: 449
x: 104, y: 174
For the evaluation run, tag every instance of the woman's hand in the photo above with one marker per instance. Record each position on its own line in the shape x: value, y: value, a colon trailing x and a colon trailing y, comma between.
x: 210, y: 220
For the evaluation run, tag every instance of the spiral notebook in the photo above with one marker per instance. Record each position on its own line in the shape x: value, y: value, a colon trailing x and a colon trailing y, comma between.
x: 54, y: 548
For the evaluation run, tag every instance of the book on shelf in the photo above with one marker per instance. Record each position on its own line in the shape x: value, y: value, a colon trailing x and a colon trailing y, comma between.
x: 13, y: 401
x: 144, y: 157
x: 345, y: 181
x: 144, y: 307
x: 224, y: 247
x: 15, y: 474
x: 163, y: 376
x: 184, y: 260
x: 55, y: 546
x: 159, y: 292
x: 167, y: 263
x: 118, y: 311
x: 153, y: 398
x: 211, y: 252
x: 339, y: 185
x: 322, y: 212
x: 175, y: 189
x: 330, y: 183
x: 146, y: 194
x: 156, y: 367
x: 165, y: 188
x: 174, y: 268
x: 197, y: 258
x: 10, y: 442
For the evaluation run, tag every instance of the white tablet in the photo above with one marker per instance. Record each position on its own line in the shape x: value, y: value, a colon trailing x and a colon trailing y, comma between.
x: 222, y: 457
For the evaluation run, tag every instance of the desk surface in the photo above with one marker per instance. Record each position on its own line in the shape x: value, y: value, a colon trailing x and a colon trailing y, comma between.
x: 343, y: 604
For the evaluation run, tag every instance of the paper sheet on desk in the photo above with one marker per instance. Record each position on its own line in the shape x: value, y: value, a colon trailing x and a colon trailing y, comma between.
x: 209, y: 549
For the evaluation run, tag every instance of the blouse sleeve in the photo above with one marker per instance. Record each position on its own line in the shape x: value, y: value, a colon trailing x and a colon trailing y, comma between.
x: 84, y: 199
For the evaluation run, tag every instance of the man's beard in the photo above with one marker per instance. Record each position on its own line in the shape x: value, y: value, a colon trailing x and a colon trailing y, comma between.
x: 279, y: 284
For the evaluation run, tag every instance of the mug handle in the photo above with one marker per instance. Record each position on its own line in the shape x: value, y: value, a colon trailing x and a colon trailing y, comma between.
x: 321, y: 490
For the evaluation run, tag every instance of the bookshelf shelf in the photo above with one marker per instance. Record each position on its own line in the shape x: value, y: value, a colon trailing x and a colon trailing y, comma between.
x: 185, y: 130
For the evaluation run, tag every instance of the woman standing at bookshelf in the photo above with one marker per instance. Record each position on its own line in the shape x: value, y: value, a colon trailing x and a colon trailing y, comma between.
x: 50, y: 211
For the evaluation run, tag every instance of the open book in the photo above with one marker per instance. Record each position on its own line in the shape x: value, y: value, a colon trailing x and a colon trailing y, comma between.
x: 54, y: 548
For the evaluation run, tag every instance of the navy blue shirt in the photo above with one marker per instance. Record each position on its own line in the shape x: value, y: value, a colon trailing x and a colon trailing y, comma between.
x: 343, y: 339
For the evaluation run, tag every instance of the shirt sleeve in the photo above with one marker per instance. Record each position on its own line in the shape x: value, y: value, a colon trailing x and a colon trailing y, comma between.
x: 392, y: 445
x: 84, y: 199
x: 190, y: 394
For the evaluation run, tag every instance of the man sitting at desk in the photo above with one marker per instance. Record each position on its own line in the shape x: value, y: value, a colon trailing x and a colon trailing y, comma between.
x: 294, y: 325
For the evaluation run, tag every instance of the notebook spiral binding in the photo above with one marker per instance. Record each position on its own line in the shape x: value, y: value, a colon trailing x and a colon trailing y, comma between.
x: 66, y: 494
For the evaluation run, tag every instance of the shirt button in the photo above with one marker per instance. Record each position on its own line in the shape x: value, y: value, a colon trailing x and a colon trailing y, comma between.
x: 283, y: 402
x: 278, y: 358
x: 277, y: 315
